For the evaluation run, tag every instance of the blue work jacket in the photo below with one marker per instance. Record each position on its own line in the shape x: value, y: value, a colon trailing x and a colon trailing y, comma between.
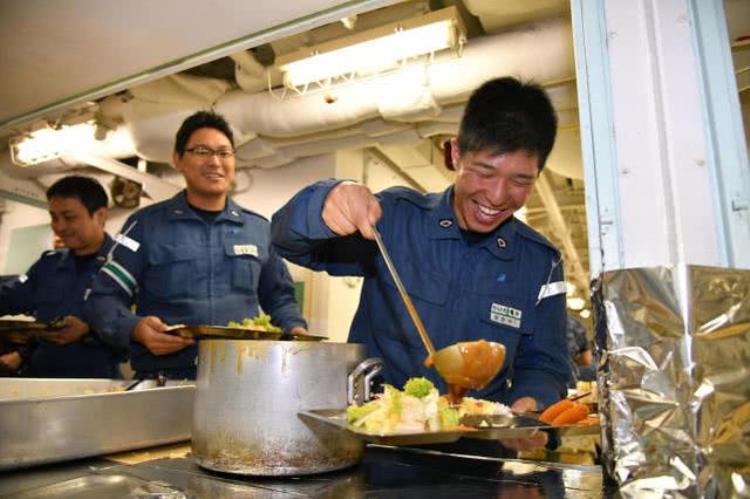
x: 506, y: 288
x: 54, y: 287
x: 171, y: 263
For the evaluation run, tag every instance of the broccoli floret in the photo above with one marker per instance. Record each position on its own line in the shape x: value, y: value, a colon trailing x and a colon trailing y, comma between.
x: 418, y: 387
x: 448, y: 417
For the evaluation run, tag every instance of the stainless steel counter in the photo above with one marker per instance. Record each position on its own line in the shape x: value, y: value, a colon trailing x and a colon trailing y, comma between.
x: 427, y: 472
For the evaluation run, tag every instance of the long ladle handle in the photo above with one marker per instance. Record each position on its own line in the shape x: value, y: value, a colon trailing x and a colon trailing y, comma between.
x: 405, y: 297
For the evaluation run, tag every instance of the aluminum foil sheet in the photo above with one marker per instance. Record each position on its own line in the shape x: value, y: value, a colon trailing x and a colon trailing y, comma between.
x: 675, y: 380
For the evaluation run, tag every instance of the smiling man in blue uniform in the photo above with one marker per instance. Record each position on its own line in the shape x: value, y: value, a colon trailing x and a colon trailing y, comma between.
x: 55, y: 286
x: 473, y: 270
x: 195, y: 259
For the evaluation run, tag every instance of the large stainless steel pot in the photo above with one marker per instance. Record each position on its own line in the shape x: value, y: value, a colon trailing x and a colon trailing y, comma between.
x: 248, y: 397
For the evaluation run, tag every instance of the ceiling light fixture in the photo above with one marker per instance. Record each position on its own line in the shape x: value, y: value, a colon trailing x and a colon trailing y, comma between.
x: 46, y: 143
x: 375, y: 50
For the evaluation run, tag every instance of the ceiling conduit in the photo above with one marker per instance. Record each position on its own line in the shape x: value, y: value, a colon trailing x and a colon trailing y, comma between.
x: 400, y: 107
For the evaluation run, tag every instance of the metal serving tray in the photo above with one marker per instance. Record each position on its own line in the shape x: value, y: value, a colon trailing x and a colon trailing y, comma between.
x: 475, y: 427
x: 50, y: 420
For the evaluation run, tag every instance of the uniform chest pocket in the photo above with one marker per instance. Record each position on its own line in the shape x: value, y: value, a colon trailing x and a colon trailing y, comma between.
x: 245, y: 262
x: 420, y: 282
x: 172, y: 271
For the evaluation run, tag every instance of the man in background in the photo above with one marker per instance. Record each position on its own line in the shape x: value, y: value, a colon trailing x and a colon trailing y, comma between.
x: 579, y: 348
x: 197, y: 259
x: 55, y: 286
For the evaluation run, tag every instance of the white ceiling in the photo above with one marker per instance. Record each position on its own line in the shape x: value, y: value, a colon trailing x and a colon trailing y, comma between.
x: 53, y: 52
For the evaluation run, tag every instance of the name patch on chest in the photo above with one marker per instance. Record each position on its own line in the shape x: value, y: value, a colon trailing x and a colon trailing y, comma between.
x: 505, y: 315
x: 246, y: 249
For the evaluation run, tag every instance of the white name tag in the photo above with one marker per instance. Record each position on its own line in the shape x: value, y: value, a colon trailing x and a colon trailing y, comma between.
x: 552, y: 289
x: 503, y: 314
x: 246, y: 249
x: 130, y: 244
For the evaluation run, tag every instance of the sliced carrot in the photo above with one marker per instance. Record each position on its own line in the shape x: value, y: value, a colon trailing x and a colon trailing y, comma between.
x: 551, y: 412
x: 572, y: 415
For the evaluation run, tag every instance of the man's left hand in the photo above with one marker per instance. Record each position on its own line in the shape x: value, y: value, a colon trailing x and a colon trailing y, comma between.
x: 535, y: 441
x: 524, y: 404
x: 73, y: 330
x: 298, y: 330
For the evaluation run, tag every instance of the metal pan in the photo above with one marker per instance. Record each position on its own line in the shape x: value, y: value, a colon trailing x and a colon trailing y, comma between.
x: 474, y: 427
x: 337, y: 418
x: 499, y: 427
x: 20, y: 331
x: 237, y: 333
x: 14, y: 325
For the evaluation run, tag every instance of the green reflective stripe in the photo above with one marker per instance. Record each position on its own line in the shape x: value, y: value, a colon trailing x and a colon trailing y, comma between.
x: 121, y: 276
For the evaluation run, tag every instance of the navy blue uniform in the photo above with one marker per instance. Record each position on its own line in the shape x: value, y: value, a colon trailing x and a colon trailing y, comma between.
x: 54, y: 287
x: 507, y: 288
x: 173, y: 264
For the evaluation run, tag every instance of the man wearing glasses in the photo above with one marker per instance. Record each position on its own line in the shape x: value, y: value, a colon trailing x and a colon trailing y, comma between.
x: 195, y: 259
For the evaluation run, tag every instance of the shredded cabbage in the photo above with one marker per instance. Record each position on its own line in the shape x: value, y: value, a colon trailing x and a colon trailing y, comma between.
x: 418, y: 408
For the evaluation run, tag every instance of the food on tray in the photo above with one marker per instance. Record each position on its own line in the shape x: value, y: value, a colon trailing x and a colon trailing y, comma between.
x: 261, y: 321
x: 418, y: 408
x: 478, y: 407
x: 564, y: 412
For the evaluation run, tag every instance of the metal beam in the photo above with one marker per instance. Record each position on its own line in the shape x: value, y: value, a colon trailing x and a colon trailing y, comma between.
x: 574, y: 267
x: 156, y: 188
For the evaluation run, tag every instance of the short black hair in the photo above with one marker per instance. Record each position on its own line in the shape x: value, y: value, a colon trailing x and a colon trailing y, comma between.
x: 507, y: 115
x: 201, y: 119
x: 88, y: 191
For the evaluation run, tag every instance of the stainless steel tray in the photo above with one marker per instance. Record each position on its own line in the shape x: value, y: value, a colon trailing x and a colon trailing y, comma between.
x: 238, y: 333
x: 499, y: 427
x: 50, y: 420
x: 337, y: 418
x: 475, y: 427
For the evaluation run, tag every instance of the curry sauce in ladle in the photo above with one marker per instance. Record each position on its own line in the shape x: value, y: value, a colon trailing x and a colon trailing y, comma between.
x: 464, y: 366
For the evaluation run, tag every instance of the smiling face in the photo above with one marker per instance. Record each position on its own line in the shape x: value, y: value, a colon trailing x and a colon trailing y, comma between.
x: 77, y: 229
x: 208, y: 178
x: 489, y: 187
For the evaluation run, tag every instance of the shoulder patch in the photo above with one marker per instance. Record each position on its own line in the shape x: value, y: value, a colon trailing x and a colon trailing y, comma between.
x: 426, y: 201
x: 254, y: 214
x: 528, y: 233
x: 54, y: 252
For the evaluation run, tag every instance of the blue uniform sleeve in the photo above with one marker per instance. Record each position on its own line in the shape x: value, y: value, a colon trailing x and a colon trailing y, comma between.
x: 115, y: 286
x: 17, y: 295
x: 300, y: 235
x: 276, y: 294
x: 542, y: 368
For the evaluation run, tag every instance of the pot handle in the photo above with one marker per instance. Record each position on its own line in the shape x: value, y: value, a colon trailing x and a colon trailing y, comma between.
x: 358, y: 381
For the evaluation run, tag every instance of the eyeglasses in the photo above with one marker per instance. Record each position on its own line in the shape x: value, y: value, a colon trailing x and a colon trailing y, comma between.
x: 206, y: 152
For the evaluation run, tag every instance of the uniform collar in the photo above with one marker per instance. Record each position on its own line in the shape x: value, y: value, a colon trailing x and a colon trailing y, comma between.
x: 68, y: 257
x: 179, y: 209
x: 443, y: 224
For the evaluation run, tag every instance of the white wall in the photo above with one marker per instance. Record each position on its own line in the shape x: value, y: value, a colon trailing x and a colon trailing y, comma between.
x: 19, y: 215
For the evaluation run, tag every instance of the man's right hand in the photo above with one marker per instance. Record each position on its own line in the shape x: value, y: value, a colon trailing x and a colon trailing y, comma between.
x: 351, y: 207
x: 151, y: 333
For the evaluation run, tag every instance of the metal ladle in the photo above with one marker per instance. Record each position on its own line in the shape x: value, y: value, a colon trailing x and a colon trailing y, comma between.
x: 464, y: 365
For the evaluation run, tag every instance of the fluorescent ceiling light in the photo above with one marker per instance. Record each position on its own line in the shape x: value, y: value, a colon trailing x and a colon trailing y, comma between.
x: 47, y: 143
x: 375, y: 50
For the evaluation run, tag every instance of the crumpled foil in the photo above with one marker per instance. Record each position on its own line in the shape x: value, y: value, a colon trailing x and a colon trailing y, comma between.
x: 674, y: 380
